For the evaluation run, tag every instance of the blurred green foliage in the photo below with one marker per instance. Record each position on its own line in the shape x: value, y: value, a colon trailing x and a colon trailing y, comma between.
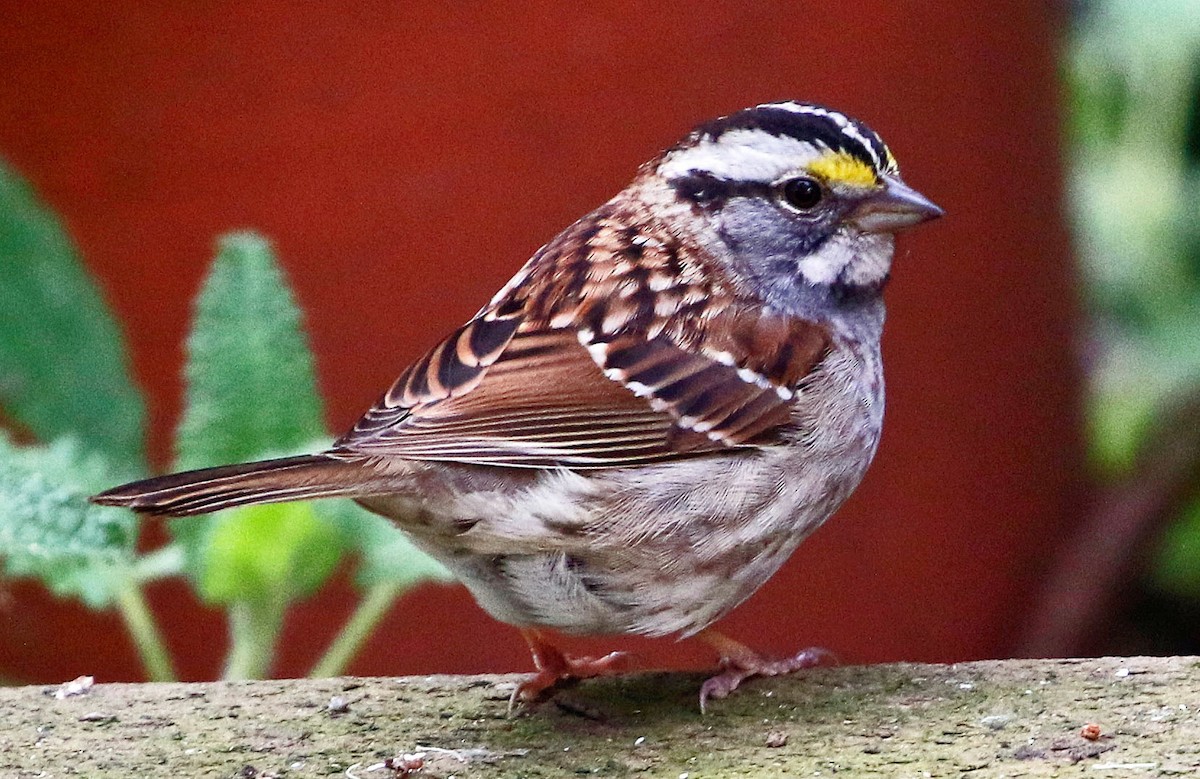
x: 1132, y: 71
x: 251, y: 394
x: 237, y: 400
x: 63, y: 380
x: 48, y: 530
x: 56, y: 332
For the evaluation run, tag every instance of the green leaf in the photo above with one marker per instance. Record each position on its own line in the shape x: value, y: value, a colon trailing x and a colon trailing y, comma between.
x: 1176, y: 569
x: 62, y: 360
x: 273, y: 553
x: 48, y: 530
x: 252, y: 394
x: 388, y: 556
x: 250, y: 381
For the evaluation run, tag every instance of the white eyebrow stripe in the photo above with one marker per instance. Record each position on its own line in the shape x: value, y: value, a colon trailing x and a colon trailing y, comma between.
x: 742, y: 155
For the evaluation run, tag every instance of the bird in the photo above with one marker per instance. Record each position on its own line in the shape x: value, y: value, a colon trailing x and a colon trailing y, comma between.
x: 646, y: 421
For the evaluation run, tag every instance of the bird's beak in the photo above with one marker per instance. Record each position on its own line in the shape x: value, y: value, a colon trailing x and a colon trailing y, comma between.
x: 894, y: 207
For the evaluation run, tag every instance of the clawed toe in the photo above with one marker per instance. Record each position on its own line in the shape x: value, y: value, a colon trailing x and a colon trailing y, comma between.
x: 557, y: 670
x: 721, y: 685
x: 739, y: 662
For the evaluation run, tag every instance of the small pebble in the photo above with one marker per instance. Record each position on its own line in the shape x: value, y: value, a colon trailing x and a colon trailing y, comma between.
x: 996, y: 721
x: 98, y: 716
x: 1090, y: 731
x: 777, y: 738
x: 77, y: 686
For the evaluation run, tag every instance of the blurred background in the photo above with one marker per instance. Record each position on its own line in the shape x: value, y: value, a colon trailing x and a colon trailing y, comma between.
x: 1034, y: 493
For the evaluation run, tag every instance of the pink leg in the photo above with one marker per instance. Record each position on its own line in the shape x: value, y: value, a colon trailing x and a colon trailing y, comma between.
x: 555, y: 669
x: 739, y: 662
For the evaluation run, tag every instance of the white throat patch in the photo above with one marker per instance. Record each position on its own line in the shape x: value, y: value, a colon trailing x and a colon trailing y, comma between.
x: 850, y: 257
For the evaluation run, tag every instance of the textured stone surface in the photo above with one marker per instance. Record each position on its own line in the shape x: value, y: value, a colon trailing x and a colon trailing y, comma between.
x: 989, y: 719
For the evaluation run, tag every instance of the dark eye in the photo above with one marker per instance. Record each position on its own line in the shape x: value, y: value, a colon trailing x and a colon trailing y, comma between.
x: 802, y: 194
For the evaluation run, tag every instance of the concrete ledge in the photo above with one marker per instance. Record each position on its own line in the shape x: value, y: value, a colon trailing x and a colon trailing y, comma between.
x: 989, y: 719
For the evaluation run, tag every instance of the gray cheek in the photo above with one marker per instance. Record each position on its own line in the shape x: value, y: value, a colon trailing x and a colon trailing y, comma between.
x: 754, y: 227
x: 766, y: 246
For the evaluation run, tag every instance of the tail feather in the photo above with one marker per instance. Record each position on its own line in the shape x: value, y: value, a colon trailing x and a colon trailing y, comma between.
x: 267, y: 481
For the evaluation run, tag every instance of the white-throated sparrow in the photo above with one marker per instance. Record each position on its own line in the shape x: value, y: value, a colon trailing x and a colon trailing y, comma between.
x: 648, y: 419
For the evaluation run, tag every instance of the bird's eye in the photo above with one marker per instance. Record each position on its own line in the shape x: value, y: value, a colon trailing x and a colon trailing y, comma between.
x: 802, y: 193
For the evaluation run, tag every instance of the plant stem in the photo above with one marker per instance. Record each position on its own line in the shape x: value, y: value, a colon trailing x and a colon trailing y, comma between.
x: 345, y: 646
x: 140, y: 624
x: 159, y: 564
x: 254, y: 627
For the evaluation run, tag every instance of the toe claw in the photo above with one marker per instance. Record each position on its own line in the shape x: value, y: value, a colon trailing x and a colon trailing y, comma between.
x: 739, y: 662
x: 557, y: 670
x: 721, y: 685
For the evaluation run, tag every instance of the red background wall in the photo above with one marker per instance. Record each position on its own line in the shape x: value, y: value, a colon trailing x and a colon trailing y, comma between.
x: 406, y: 158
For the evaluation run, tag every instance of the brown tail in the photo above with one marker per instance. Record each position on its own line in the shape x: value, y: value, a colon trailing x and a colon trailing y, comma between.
x: 267, y: 481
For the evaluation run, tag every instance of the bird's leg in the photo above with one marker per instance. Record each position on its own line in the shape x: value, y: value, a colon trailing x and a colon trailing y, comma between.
x: 555, y: 669
x: 739, y: 662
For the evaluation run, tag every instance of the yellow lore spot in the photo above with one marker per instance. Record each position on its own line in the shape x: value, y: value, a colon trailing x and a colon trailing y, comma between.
x: 892, y: 165
x: 842, y: 168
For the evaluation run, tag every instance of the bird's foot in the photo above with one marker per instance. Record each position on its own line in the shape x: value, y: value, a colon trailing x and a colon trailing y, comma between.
x: 556, y: 670
x: 739, y: 662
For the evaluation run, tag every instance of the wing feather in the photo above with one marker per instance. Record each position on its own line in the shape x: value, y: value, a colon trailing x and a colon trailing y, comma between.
x: 614, y: 345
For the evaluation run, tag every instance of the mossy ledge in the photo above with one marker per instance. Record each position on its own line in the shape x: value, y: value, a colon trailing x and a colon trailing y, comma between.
x: 1126, y: 717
